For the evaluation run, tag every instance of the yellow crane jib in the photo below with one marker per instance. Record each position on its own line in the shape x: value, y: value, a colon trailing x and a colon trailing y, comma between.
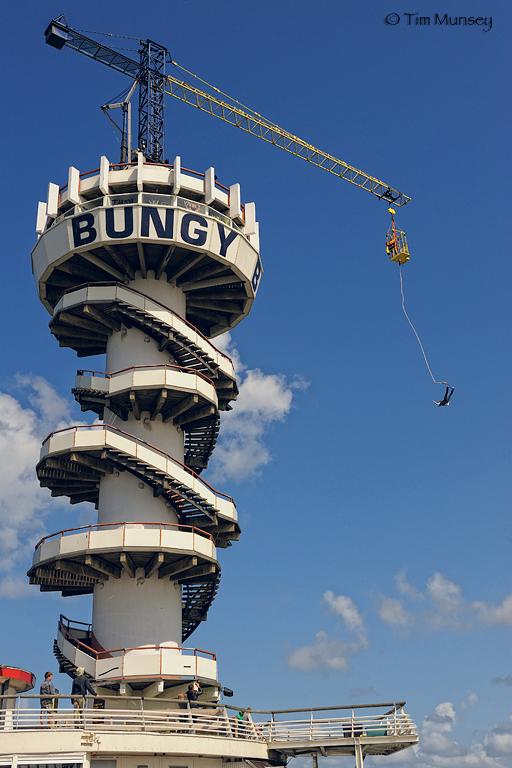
x: 396, y: 242
x: 252, y: 122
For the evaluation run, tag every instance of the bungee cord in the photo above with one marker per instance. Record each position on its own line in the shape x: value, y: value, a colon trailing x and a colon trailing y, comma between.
x: 449, y: 390
x: 404, y: 310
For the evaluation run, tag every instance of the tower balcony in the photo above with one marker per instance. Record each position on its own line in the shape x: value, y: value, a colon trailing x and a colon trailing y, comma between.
x: 174, y: 393
x: 84, y: 318
x: 73, y: 561
x: 136, y: 223
x: 169, y: 663
x: 73, y: 461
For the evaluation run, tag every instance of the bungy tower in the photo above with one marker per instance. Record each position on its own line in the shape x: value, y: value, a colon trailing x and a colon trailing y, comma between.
x: 145, y: 264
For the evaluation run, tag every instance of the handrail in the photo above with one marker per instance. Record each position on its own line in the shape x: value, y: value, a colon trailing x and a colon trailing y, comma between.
x: 64, y: 531
x: 107, y: 652
x: 178, y: 717
x: 67, y: 622
x: 105, y: 375
x: 104, y: 283
x: 84, y: 427
x: 233, y: 707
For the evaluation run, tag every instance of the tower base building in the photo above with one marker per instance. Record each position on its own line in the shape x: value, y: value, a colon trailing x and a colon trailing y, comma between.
x: 146, y: 264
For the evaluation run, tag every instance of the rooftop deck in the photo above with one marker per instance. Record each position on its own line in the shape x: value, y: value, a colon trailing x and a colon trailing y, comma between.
x: 342, y: 730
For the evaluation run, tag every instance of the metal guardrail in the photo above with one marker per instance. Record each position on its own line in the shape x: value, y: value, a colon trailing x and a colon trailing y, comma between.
x: 155, y: 367
x: 147, y: 198
x: 224, y: 721
x: 88, y: 529
x: 174, y: 722
x: 66, y: 628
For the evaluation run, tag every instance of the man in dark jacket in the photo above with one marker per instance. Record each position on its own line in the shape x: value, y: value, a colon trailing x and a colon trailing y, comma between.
x: 47, y: 691
x: 80, y: 688
x: 193, y: 693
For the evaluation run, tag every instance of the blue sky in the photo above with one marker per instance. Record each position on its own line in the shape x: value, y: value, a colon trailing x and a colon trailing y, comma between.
x: 367, y: 492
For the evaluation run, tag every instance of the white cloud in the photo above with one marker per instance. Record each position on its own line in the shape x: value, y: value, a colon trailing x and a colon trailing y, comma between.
x: 263, y: 400
x: 344, y: 607
x: 446, y: 597
x: 469, y: 701
x: 442, y: 719
x: 323, y: 653
x: 22, y: 501
x: 332, y: 653
x: 393, y: 612
x: 52, y: 411
x: 443, y: 605
x: 404, y: 587
x: 440, y: 605
x: 499, y: 741
x: 439, y: 749
x: 14, y: 587
x: 495, y: 614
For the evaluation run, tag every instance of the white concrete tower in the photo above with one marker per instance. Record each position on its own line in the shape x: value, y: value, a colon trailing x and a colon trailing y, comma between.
x: 143, y: 263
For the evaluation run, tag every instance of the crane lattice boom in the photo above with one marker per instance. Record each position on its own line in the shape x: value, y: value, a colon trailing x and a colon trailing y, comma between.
x: 152, y: 81
x: 279, y: 137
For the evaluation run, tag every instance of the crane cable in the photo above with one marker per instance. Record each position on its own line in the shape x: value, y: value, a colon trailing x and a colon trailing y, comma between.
x: 404, y: 310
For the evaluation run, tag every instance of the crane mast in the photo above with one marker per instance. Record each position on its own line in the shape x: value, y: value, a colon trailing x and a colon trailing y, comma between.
x: 154, y: 83
x: 148, y: 72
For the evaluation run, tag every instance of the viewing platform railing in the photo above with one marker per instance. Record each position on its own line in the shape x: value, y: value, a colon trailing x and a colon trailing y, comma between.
x: 323, y: 725
x: 148, y: 198
x: 124, y: 526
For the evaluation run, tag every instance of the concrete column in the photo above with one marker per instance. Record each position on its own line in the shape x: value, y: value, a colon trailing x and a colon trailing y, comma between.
x: 134, y: 611
x: 129, y: 612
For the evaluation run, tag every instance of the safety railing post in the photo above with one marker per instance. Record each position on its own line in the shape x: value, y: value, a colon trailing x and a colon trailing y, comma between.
x: 311, y: 725
x: 271, y: 727
x: 84, y: 714
x: 248, y: 714
x: 229, y: 732
x: 142, y: 714
x: 190, y: 718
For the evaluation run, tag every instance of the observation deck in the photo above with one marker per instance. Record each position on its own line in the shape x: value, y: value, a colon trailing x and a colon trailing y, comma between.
x: 161, y: 221
x: 152, y: 727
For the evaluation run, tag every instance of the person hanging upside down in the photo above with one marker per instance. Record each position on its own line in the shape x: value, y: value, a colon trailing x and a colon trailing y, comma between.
x: 447, y: 396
